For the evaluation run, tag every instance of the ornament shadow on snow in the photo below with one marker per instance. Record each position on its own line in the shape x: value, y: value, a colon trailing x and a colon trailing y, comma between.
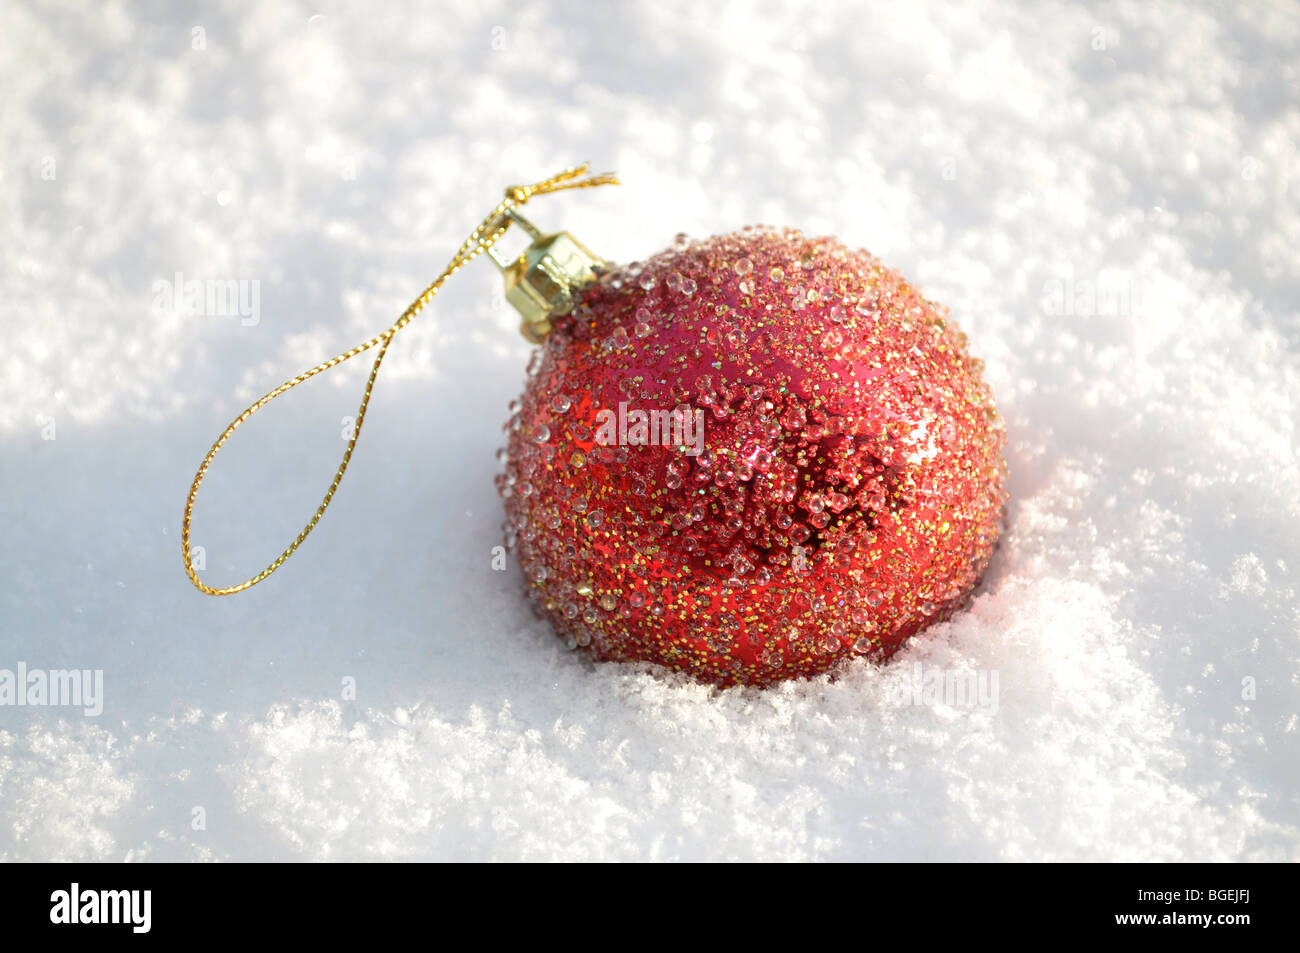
x: 833, y: 486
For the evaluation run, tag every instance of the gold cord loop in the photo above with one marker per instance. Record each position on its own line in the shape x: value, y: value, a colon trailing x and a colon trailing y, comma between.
x: 480, y: 240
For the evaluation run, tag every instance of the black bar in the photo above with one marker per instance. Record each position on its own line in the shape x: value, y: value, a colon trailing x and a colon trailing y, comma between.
x: 937, y: 901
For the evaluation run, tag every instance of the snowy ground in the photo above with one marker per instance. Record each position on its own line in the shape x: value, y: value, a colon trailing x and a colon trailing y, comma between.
x: 1141, y: 616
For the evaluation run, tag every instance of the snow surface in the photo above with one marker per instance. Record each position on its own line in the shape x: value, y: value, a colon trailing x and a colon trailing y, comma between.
x: 1141, y: 615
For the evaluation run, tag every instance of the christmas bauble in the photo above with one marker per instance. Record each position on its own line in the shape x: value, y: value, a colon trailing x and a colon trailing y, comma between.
x: 749, y: 458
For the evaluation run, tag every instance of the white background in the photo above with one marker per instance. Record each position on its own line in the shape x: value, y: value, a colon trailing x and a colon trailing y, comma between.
x: 991, y: 152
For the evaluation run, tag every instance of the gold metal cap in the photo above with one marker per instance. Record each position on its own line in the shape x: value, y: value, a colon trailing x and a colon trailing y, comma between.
x: 545, y: 280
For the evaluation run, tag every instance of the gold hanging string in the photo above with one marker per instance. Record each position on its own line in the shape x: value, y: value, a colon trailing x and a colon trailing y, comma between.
x: 480, y: 240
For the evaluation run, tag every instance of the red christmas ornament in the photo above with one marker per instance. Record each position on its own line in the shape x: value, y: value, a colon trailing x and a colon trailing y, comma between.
x: 745, y: 459
x: 751, y: 457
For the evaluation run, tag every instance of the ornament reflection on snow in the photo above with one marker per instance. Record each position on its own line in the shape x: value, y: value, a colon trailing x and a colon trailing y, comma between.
x: 750, y: 457
x: 745, y: 459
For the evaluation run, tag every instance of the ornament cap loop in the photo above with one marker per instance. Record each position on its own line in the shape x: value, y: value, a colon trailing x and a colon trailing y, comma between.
x: 498, y: 228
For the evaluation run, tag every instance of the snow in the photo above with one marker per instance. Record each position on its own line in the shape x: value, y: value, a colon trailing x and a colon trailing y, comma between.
x: 1106, y: 196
